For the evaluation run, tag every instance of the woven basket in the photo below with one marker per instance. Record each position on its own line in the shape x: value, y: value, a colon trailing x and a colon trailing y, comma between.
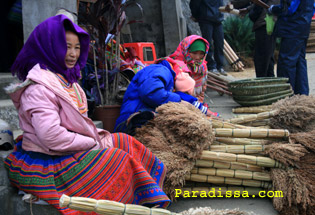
x: 259, y: 90
x: 257, y: 82
x: 262, y: 101
x: 262, y: 97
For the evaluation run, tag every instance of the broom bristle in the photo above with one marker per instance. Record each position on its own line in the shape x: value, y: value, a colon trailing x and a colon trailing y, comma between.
x: 177, y: 136
x: 296, y: 113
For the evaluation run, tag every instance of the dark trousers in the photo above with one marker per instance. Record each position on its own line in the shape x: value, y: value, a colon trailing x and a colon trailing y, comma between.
x: 264, y: 53
x: 292, y: 64
x: 214, y: 34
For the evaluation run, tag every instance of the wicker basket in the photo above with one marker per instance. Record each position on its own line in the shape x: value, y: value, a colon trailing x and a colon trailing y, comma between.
x: 259, y: 90
x: 262, y: 97
x: 262, y: 101
x: 257, y: 82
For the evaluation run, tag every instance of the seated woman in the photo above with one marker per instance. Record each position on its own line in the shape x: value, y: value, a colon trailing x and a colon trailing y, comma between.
x: 151, y: 87
x: 61, y: 151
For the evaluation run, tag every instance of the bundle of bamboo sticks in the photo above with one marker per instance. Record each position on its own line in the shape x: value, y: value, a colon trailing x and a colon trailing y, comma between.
x: 218, y: 84
x: 232, y: 58
x: 237, y: 155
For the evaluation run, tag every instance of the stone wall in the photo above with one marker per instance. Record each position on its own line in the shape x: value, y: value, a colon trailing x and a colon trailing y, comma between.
x: 36, y: 11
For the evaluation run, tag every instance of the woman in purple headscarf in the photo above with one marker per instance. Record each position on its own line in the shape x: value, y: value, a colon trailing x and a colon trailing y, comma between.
x: 61, y: 151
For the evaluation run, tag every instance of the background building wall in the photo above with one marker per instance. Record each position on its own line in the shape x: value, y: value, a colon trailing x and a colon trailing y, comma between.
x: 36, y: 11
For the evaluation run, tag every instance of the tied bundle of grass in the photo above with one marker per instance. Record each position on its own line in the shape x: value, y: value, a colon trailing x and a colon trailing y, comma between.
x: 107, y: 207
x: 297, y: 182
x: 177, y: 136
x: 297, y: 114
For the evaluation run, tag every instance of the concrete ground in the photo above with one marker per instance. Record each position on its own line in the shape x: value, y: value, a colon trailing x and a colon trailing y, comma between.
x: 223, y: 105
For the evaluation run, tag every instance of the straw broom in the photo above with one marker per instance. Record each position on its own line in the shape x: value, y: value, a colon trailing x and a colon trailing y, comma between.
x: 258, y: 109
x: 254, y: 117
x: 238, y: 149
x: 241, y: 141
x: 251, y: 133
x: 232, y: 173
x: 226, y: 180
x: 248, y: 159
x: 227, y: 165
x: 107, y: 207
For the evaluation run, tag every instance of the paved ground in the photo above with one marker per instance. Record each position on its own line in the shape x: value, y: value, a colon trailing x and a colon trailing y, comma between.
x: 223, y: 105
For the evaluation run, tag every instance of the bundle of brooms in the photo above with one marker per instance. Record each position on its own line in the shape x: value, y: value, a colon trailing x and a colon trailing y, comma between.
x: 242, y: 156
x: 181, y: 137
x: 297, y: 180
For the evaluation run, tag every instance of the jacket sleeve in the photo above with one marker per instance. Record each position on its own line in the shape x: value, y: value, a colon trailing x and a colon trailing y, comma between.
x: 153, y: 92
x: 41, y: 106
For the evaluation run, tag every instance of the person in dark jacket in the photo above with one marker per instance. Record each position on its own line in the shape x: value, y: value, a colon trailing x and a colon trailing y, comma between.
x: 264, y: 44
x: 209, y: 18
x: 293, y: 27
x: 151, y: 87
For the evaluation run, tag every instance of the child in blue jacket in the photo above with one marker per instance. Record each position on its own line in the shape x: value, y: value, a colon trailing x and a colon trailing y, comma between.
x: 151, y: 87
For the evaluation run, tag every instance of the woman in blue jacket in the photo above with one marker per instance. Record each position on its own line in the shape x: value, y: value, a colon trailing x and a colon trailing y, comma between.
x: 151, y: 87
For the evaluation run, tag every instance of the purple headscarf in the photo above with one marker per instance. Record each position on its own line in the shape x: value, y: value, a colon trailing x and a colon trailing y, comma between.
x: 47, y: 46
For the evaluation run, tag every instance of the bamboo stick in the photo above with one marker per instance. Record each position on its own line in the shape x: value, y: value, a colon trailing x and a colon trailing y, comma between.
x: 227, y: 165
x: 209, y: 81
x: 107, y: 207
x: 216, y: 123
x: 217, y: 191
x: 232, y: 173
x: 257, y: 109
x: 248, y: 159
x: 251, y: 133
x: 238, y: 149
x: 264, y: 122
x: 217, y: 77
x: 253, y: 117
x: 241, y: 141
x: 220, y: 81
x: 219, y: 89
x: 226, y: 180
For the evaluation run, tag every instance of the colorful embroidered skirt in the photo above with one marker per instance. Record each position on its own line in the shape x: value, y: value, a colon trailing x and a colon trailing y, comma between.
x: 128, y: 173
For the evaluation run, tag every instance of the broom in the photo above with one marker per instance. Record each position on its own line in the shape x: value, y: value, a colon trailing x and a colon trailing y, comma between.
x: 107, y: 207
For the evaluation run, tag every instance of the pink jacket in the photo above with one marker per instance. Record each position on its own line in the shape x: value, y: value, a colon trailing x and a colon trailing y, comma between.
x: 51, y: 122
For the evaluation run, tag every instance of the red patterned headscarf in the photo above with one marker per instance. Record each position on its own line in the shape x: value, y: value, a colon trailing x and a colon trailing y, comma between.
x: 182, y: 54
x: 198, y: 71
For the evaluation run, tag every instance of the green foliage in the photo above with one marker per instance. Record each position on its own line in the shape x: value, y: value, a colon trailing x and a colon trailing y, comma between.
x: 238, y: 33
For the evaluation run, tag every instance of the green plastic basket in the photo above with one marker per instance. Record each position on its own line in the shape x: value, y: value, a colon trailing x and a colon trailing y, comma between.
x: 262, y: 101
x: 259, y: 90
x: 261, y: 97
x: 257, y: 82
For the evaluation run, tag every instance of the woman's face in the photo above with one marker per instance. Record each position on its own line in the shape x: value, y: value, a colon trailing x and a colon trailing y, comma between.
x: 197, y: 56
x: 73, y: 49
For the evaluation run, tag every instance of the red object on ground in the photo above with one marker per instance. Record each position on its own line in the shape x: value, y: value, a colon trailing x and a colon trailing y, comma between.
x: 145, y: 51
